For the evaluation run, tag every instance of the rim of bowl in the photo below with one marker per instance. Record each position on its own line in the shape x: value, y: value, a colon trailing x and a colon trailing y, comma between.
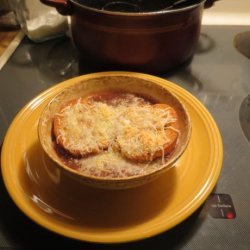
x: 168, y: 165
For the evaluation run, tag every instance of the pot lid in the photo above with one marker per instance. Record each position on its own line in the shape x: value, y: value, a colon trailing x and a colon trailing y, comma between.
x: 138, y: 6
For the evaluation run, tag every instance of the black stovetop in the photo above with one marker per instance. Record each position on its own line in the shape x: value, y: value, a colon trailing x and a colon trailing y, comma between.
x: 218, y: 75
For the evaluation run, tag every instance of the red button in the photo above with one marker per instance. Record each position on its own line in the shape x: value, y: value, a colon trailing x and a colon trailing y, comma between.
x: 230, y: 215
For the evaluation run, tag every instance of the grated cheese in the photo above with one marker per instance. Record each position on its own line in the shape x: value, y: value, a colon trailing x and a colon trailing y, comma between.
x: 125, y: 126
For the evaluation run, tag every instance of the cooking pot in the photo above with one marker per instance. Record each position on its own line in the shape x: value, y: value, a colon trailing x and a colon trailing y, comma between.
x: 141, y: 35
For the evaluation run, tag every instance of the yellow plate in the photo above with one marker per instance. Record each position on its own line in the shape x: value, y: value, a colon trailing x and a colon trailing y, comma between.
x: 61, y: 205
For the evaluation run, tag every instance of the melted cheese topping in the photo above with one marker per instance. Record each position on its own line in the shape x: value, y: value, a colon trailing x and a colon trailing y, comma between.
x: 127, y: 126
x: 85, y: 127
x: 143, y: 130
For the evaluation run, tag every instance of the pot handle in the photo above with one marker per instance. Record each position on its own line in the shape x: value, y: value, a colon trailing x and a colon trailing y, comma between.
x: 209, y: 3
x: 64, y: 7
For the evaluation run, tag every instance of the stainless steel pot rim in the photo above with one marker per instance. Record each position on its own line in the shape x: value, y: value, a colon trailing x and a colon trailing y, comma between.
x: 138, y: 14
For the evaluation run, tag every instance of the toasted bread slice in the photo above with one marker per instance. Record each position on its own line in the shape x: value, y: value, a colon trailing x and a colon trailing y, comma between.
x: 81, y: 128
x: 147, y: 142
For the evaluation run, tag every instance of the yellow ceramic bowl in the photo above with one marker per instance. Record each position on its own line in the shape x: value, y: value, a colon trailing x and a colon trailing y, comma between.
x: 132, y: 83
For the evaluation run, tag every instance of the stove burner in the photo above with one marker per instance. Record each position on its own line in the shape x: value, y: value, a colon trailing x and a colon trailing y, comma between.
x: 244, y: 116
x: 242, y: 43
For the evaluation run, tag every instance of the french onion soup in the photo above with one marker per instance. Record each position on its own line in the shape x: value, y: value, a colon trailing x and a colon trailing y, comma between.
x: 115, y: 134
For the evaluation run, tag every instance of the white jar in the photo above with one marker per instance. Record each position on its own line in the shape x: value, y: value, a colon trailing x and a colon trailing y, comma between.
x: 39, y: 22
